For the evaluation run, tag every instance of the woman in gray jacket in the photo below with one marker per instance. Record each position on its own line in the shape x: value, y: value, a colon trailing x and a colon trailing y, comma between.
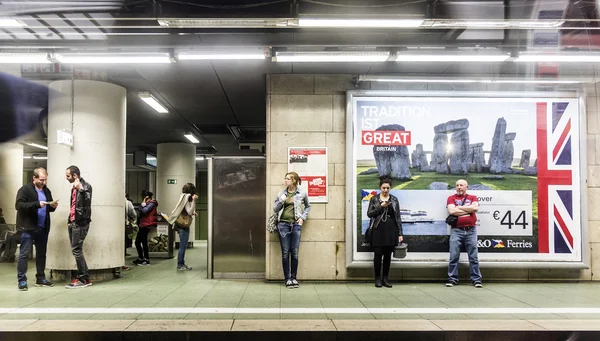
x: 292, y: 206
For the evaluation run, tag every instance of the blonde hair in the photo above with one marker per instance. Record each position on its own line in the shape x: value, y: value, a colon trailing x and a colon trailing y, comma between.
x: 295, y: 178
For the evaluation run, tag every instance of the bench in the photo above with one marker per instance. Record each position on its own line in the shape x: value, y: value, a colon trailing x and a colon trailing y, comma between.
x: 5, y: 231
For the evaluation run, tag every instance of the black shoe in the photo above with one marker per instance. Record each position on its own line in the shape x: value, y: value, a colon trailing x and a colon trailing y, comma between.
x: 386, y: 283
x: 44, y: 283
x: 378, y: 282
x: 138, y: 261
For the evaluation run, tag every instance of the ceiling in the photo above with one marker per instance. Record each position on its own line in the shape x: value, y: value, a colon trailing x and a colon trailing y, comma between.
x: 210, y: 96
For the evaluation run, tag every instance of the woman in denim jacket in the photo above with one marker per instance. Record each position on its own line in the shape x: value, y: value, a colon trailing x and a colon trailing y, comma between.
x: 292, y: 207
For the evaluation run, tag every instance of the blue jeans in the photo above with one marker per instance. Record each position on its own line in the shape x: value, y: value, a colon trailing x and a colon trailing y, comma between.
x: 40, y: 239
x: 468, y: 238
x: 184, y: 236
x: 289, y: 239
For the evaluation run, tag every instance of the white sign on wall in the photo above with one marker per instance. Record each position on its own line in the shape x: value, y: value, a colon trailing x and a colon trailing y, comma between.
x: 64, y: 137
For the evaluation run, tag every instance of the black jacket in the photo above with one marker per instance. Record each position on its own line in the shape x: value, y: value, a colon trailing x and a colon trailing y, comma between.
x: 83, y: 204
x: 27, y: 205
x: 375, y: 211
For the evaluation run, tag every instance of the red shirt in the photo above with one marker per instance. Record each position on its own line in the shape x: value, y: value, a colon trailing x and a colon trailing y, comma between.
x: 73, y: 203
x: 465, y: 220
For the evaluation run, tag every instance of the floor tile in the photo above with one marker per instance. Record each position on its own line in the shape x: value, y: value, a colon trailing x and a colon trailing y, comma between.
x: 283, y: 325
x: 485, y: 325
x: 385, y: 325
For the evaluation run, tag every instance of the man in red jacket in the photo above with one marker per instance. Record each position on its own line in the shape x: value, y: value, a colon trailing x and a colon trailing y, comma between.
x: 463, y: 206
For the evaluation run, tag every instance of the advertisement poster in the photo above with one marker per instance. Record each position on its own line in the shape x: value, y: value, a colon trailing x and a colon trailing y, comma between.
x: 520, y: 156
x: 311, y: 165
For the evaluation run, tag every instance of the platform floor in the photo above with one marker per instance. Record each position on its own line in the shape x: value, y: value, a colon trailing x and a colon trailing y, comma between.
x: 159, y: 292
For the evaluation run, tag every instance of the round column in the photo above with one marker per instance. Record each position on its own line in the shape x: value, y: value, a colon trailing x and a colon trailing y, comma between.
x: 175, y: 161
x: 95, y: 112
x: 11, y: 178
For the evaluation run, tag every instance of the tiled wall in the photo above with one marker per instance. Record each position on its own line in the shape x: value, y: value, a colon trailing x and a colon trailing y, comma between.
x: 310, y: 110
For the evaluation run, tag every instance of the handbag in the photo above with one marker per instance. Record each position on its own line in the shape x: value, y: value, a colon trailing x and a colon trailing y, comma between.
x: 184, y: 221
x: 452, y: 220
x: 272, y: 223
x: 368, y: 236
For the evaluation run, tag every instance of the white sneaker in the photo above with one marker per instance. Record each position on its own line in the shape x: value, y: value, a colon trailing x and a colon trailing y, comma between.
x: 295, y: 283
x: 288, y: 284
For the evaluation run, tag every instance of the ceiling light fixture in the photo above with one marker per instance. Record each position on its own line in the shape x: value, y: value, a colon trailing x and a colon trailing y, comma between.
x: 114, y: 58
x: 505, y: 80
x: 499, y: 24
x: 28, y: 58
x: 334, y: 56
x: 221, y: 55
x: 558, y: 57
x: 147, y: 97
x: 226, y: 23
x: 191, y: 137
x: 26, y: 157
x: 37, y: 145
x: 451, y: 57
x: 11, y: 22
x: 40, y: 157
x: 373, y: 23
x: 200, y: 157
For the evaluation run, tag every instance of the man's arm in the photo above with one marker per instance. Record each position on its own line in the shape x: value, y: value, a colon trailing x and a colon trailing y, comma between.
x: 22, y: 203
x: 472, y: 208
x: 456, y: 211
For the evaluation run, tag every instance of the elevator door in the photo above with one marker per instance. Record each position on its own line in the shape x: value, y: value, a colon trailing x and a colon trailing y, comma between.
x: 238, y: 226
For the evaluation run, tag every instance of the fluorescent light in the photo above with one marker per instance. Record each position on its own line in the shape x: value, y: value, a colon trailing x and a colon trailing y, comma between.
x: 456, y: 57
x: 200, y: 158
x: 499, y: 24
x: 29, y: 58
x: 225, y: 23
x: 26, y: 157
x: 381, y: 23
x: 10, y: 22
x: 37, y: 146
x: 39, y: 157
x: 221, y: 55
x: 153, y: 102
x: 191, y: 137
x: 299, y: 57
x: 114, y: 58
x: 505, y: 80
x: 558, y: 57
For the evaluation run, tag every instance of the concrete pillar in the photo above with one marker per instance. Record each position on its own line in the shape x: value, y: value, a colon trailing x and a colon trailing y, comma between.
x: 175, y: 161
x: 96, y: 114
x: 11, y: 178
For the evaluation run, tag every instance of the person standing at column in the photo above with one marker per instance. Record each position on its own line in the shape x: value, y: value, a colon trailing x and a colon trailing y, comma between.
x: 34, y: 204
x: 148, y: 220
x: 79, y: 223
x: 292, y: 207
x: 181, y: 220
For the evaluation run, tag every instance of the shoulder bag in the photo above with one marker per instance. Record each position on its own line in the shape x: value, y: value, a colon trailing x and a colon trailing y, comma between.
x: 184, y: 221
x: 272, y: 223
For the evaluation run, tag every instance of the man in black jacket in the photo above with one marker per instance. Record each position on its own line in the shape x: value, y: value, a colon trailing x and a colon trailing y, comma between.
x: 79, y: 223
x: 34, y: 204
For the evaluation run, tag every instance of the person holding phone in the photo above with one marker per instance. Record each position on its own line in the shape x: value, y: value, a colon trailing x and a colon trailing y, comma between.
x: 386, y: 224
x: 148, y: 220
x: 34, y: 204
x: 292, y: 206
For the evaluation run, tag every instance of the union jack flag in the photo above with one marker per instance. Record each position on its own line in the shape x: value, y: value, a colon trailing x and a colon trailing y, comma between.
x: 558, y: 190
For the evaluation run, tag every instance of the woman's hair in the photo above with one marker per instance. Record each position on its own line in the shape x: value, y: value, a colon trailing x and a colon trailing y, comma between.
x: 146, y: 193
x: 385, y: 180
x: 189, y: 188
x: 295, y: 178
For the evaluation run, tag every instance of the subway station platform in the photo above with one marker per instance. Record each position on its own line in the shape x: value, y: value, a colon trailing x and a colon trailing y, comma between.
x: 158, y: 302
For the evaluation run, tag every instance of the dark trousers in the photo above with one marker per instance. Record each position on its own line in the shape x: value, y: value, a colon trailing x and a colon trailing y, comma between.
x: 10, y: 246
x: 141, y: 243
x: 77, y: 234
x: 28, y: 239
x: 385, y: 253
